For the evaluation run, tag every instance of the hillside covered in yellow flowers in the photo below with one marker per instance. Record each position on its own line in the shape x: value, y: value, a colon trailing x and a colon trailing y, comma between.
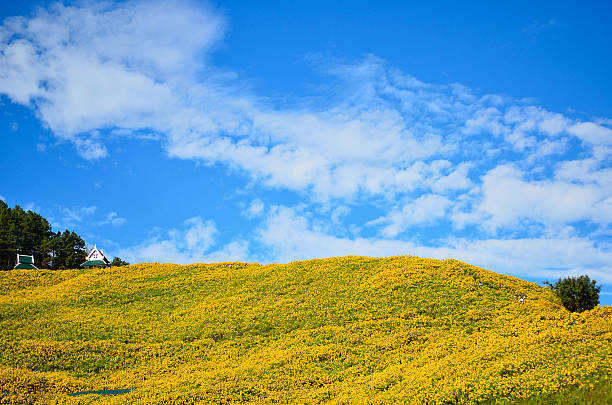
x: 340, y: 330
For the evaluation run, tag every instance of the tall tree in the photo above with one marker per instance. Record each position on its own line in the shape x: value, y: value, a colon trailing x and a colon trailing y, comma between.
x: 30, y: 234
x: 36, y: 231
x: 74, y: 248
x: 7, y: 240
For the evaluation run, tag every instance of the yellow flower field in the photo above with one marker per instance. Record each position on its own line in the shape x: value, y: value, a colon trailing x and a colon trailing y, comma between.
x: 339, y: 330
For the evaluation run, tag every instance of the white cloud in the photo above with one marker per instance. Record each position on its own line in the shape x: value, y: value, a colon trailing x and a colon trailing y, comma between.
x: 101, y: 65
x: 338, y: 213
x: 90, y: 148
x: 456, y: 179
x: 191, y: 243
x: 79, y: 216
x: 487, y: 119
x: 550, y: 257
x: 592, y: 133
x: 508, y: 199
x: 200, y: 236
x: 290, y: 236
x: 546, y: 148
x: 72, y: 216
x: 31, y: 207
x: 553, y: 124
x: 585, y: 171
x: 426, y: 209
x: 237, y: 250
x: 114, y: 219
x: 526, y: 118
x: 255, y: 209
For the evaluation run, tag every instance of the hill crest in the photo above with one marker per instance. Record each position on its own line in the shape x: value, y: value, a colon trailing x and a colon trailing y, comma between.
x: 340, y: 329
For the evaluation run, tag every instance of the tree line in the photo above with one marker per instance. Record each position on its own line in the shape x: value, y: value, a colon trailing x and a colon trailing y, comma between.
x: 28, y: 233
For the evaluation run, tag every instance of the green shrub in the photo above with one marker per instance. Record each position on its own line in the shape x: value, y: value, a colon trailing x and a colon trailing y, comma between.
x: 118, y: 262
x: 577, y: 293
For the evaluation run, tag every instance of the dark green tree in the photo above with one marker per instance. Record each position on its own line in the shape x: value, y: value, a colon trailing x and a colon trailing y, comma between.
x: 118, y: 262
x: 36, y: 232
x: 56, y: 258
x: 28, y: 233
x: 8, y: 242
x: 22, y: 232
x: 67, y: 251
x: 17, y: 226
x: 577, y: 294
x: 75, y: 249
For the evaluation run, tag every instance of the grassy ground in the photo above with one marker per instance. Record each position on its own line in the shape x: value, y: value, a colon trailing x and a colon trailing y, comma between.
x: 599, y: 394
x: 342, y: 330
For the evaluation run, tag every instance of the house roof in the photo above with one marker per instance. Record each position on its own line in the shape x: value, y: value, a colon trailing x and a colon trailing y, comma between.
x: 25, y: 262
x: 96, y: 254
x: 26, y: 266
x: 25, y: 259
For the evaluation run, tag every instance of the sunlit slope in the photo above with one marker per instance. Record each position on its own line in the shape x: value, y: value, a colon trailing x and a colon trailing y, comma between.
x: 350, y: 329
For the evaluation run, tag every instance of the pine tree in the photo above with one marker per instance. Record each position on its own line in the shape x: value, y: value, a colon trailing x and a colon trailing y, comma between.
x: 29, y: 233
x: 74, y: 247
x: 7, y: 242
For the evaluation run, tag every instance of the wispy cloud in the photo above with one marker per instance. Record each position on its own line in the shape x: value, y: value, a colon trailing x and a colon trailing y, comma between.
x: 114, y: 219
x: 99, y: 67
x: 255, y: 208
x: 75, y: 215
x: 537, y: 27
x: 426, y: 209
x: 86, y: 216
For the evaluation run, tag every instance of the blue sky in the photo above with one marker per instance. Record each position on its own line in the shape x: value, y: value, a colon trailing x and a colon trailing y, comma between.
x: 281, y: 131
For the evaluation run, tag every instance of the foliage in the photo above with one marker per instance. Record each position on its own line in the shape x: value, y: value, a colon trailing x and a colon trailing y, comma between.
x: 22, y: 232
x: 577, y: 293
x: 67, y: 251
x: 342, y: 330
x: 118, y: 262
x: 29, y: 233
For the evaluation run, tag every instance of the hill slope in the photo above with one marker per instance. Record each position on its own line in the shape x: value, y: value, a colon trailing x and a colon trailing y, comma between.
x: 349, y: 329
